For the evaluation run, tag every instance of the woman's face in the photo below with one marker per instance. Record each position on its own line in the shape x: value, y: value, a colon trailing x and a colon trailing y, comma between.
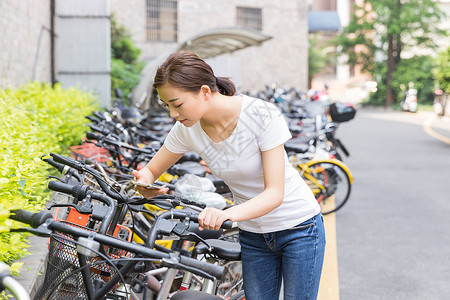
x: 186, y: 107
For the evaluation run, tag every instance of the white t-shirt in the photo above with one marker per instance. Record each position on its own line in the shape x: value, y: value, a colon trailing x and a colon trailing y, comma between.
x: 238, y: 162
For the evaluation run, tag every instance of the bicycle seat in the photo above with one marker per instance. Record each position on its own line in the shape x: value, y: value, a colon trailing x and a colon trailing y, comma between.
x: 194, y: 295
x: 223, y: 249
x: 190, y: 156
x: 295, y: 129
x: 297, y: 148
x: 188, y: 167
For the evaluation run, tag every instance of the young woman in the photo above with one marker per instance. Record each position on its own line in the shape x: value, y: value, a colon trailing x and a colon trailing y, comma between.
x: 241, y: 140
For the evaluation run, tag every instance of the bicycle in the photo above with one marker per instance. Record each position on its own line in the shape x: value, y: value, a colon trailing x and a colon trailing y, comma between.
x: 80, y: 249
x: 329, y: 179
x: 80, y: 192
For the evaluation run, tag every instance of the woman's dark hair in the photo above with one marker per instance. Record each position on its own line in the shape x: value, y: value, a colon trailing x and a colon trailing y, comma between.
x: 187, y: 71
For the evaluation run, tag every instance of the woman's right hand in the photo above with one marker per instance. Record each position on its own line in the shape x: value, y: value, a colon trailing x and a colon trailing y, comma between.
x: 145, y: 176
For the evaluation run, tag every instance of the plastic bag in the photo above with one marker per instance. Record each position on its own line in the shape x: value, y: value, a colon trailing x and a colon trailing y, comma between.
x: 200, y: 189
x: 213, y: 200
x: 191, y: 186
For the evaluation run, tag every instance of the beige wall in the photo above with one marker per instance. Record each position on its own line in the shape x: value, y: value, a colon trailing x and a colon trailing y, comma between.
x: 24, y: 41
x: 283, y: 60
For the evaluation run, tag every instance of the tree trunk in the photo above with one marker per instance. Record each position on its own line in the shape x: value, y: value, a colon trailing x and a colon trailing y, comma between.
x: 390, y: 95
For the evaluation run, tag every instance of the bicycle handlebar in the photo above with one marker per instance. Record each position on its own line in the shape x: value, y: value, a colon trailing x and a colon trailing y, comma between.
x: 83, y: 168
x: 99, y: 115
x: 99, y: 129
x: 10, y: 284
x: 30, y: 218
x: 175, y: 261
x: 63, y: 169
x: 94, y: 136
x: 79, y: 191
x: 53, y: 163
x: 179, y: 215
x: 226, y: 225
x: 15, y: 288
x: 67, y: 161
x: 108, y: 141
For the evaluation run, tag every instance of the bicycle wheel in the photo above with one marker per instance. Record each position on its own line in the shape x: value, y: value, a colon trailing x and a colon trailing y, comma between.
x: 232, y: 282
x: 330, y: 183
x: 238, y: 296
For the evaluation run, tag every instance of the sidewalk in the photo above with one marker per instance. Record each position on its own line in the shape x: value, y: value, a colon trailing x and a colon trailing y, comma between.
x: 31, y: 274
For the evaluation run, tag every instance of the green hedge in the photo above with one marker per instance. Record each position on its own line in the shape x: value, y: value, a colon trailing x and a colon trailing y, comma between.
x: 36, y: 119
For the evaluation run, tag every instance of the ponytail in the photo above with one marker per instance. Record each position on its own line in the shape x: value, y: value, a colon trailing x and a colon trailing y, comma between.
x: 226, y: 86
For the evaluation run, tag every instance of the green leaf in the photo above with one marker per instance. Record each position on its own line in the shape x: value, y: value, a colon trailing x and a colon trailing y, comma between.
x: 22, y: 182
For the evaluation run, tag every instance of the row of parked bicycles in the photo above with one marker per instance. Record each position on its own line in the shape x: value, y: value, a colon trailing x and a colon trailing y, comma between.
x: 106, y: 241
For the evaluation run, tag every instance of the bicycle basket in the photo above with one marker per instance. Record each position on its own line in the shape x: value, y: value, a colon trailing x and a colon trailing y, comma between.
x: 63, y: 279
x: 88, y: 150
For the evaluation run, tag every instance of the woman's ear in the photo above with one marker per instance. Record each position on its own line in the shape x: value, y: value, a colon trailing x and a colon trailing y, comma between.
x: 205, y: 91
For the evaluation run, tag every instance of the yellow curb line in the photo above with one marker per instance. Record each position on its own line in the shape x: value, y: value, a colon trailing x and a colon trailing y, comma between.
x: 427, y: 127
x: 329, y: 282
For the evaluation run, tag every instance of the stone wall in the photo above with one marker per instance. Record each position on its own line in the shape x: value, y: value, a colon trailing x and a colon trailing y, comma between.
x: 25, y: 38
x: 24, y: 41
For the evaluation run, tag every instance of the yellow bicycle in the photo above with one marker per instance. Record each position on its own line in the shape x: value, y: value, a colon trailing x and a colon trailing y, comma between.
x: 329, y: 179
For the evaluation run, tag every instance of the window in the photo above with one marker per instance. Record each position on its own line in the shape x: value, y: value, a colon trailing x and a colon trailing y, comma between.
x: 162, y: 20
x: 249, y: 17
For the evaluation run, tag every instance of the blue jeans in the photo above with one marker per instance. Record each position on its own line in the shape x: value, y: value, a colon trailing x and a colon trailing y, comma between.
x: 294, y: 255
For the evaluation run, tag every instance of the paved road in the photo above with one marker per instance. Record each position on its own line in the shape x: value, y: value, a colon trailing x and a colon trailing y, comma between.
x: 393, y: 236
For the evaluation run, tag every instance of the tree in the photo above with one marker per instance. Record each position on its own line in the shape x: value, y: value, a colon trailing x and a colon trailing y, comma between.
x: 321, y: 56
x: 122, y: 47
x: 125, y: 64
x: 442, y: 70
x: 419, y: 70
x: 380, y: 30
x: 316, y: 60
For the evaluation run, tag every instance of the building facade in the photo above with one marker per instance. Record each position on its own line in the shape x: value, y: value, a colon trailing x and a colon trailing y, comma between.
x: 157, y: 25
x: 25, y: 42
x: 65, y: 41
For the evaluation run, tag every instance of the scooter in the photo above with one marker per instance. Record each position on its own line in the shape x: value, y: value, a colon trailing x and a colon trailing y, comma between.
x: 440, y: 102
x: 409, y: 102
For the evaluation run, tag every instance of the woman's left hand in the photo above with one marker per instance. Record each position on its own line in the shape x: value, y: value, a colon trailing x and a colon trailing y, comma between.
x: 212, y: 218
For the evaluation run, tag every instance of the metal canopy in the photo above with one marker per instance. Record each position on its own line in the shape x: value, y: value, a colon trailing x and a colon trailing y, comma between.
x: 326, y: 20
x: 216, y: 42
x: 207, y: 44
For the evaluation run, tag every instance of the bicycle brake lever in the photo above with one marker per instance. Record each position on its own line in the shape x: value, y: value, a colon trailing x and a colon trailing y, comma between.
x: 83, y: 209
x: 190, y: 202
x: 54, y: 177
x: 41, y: 231
x: 181, y: 230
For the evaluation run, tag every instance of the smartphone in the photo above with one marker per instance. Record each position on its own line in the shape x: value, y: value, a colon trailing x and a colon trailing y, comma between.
x: 147, y: 185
